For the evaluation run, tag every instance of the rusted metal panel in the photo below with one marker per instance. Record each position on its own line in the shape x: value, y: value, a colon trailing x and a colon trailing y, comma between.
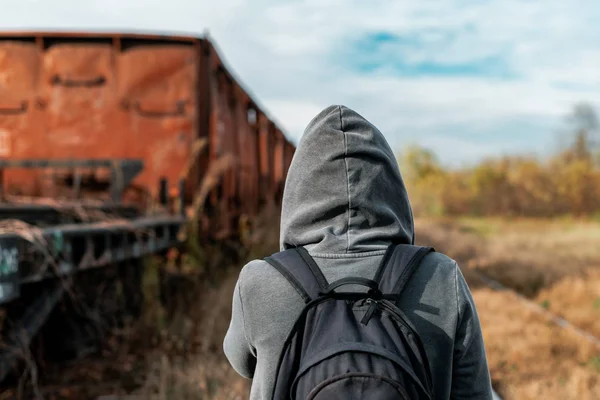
x: 21, y: 132
x: 201, y: 157
x: 248, y: 153
x: 253, y: 167
x: 215, y: 128
x: 278, y: 156
x: 158, y: 109
x: 148, y: 36
x: 100, y: 95
x: 278, y: 164
x: 273, y: 144
x: 266, y: 158
x: 289, y: 150
x: 86, y: 99
x: 76, y: 90
x: 230, y: 144
x: 223, y: 145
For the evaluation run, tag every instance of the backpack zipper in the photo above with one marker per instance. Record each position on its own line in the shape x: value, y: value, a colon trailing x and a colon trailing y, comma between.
x: 390, y: 309
x: 370, y: 311
x: 374, y: 304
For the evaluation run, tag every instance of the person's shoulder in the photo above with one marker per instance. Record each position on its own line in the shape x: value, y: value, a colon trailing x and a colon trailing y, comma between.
x: 264, y: 289
x: 440, y: 260
x: 438, y: 269
x: 255, y: 268
x: 258, y: 275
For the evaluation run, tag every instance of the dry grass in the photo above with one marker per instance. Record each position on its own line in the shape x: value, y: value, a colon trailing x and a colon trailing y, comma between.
x: 530, y: 358
x: 174, y: 351
x: 208, y: 378
x: 554, y: 262
x: 530, y: 256
x: 207, y: 374
x: 576, y: 298
x: 524, y: 254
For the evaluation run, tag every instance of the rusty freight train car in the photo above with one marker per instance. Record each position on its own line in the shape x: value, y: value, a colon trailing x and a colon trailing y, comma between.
x: 167, y: 100
x: 103, y: 126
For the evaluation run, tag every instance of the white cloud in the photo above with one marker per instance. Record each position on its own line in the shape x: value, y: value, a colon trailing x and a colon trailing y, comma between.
x: 283, y: 53
x: 294, y: 115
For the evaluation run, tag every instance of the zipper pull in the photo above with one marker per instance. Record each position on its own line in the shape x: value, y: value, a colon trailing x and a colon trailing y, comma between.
x: 370, y: 311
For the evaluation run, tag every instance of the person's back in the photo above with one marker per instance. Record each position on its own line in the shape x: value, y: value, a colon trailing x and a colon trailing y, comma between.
x: 345, y: 203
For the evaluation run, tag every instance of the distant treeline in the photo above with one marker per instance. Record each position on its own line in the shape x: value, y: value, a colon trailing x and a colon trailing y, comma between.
x: 566, y: 184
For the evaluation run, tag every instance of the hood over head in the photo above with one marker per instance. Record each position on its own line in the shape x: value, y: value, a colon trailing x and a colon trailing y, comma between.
x: 344, y: 193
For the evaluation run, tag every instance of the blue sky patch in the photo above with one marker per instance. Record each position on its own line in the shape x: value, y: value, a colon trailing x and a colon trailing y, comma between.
x: 385, y: 51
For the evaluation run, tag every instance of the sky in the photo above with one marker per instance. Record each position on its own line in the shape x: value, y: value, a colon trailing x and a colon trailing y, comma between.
x: 467, y: 79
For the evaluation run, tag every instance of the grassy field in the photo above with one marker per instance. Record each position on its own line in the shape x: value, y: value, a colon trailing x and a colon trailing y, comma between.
x: 554, y: 263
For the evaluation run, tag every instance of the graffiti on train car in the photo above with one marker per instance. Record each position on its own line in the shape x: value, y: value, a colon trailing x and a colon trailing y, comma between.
x: 9, y: 270
x: 9, y: 261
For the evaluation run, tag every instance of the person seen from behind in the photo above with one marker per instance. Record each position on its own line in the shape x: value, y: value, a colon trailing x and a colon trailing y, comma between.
x: 350, y: 307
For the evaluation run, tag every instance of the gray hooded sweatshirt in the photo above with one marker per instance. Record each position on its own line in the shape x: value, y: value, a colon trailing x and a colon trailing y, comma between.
x: 345, y: 201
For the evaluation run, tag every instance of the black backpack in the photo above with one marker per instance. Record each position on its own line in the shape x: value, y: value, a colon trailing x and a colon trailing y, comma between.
x: 352, y: 345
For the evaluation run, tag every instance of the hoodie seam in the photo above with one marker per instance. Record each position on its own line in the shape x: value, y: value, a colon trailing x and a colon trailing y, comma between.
x: 348, y: 255
x: 347, y: 180
x: 458, y: 321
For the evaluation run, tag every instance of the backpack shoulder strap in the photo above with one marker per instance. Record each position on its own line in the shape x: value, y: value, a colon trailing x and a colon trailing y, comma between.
x: 399, y: 263
x: 299, y: 268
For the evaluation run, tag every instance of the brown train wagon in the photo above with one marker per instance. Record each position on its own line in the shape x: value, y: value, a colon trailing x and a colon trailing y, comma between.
x: 278, y: 164
x: 289, y: 151
x: 266, y: 145
x: 153, y: 97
